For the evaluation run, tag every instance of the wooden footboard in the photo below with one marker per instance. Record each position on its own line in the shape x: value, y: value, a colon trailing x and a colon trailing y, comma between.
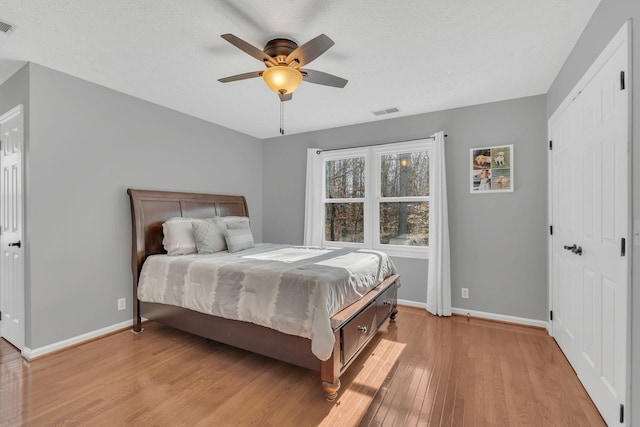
x: 353, y: 327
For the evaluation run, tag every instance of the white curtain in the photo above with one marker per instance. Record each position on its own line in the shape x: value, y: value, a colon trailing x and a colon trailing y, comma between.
x: 439, y: 277
x: 313, y: 205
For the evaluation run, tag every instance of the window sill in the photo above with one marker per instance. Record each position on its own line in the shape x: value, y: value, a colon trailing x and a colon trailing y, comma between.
x: 399, y: 253
x: 394, y: 251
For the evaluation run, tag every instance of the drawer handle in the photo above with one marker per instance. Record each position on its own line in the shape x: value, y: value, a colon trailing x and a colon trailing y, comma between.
x: 386, y: 302
x: 362, y: 329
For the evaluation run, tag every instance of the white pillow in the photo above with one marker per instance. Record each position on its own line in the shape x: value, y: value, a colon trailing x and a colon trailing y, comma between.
x: 234, y: 222
x: 209, y: 235
x: 238, y: 239
x: 178, y: 236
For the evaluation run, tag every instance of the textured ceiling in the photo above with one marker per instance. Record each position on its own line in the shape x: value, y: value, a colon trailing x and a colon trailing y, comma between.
x: 417, y: 55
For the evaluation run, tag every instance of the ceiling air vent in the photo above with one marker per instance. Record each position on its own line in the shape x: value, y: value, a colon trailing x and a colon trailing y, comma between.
x: 387, y: 111
x: 5, y: 27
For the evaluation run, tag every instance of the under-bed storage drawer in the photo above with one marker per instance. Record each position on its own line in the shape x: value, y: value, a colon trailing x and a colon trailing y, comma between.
x: 385, y: 302
x: 357, y: 332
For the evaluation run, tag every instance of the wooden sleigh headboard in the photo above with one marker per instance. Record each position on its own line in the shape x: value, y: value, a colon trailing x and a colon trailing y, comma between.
x: 150, y: 209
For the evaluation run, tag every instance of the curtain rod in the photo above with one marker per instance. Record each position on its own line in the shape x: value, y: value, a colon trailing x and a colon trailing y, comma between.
x: 375, y: 145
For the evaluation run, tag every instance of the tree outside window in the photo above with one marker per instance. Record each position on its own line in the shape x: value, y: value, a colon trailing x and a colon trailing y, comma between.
x: 345, y: 193
x: 403, y: 201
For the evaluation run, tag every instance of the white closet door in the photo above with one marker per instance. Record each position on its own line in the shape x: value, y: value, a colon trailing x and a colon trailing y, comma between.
x: 590, y: 217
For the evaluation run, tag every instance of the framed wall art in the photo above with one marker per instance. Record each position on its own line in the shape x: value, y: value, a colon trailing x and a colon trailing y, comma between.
x: 492, y: 169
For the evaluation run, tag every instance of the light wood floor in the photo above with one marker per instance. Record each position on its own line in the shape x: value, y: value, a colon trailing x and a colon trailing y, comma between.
x: 422, y: 370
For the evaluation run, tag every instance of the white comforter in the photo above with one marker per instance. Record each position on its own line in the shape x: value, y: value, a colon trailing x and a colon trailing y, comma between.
x: 292, y: 289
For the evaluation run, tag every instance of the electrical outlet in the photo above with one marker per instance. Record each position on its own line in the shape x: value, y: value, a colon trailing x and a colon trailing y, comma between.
x: 122, y: 304
x: 465, y: 292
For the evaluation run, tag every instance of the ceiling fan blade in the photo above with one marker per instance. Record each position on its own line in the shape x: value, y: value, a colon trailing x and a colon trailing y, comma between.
x: 310, y: 50
x: 245, y: 13
x: 242, y: 76
x: 320, y: 78
x: 248, y: 48
x: 285, y: 96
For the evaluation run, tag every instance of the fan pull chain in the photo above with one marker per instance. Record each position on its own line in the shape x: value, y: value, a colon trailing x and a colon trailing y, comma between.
x: 281, y: 117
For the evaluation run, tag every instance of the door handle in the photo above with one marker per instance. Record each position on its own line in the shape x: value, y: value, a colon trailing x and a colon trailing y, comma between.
x: 15, y: 243
x: 574, y: 248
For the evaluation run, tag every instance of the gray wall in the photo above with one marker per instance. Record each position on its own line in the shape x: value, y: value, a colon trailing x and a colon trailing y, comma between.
x: 498, y: 241
x: 88, y: 144
x: 604, y: 24
x: 15, y: 90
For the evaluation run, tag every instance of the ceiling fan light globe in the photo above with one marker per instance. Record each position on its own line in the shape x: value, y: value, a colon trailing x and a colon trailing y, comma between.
x: 282, y: 79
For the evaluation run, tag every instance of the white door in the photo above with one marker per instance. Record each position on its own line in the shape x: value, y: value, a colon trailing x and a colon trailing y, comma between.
x: 11, y: 228
x: 590, y: 241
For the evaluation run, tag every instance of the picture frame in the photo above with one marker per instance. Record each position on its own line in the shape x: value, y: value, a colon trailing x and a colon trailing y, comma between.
x: 491, y: 169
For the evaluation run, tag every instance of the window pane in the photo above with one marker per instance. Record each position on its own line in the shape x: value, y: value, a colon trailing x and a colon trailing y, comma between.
x: 344, y: 222
x: 345, y: 178
x: 404, y: 174
x: 404, y: 223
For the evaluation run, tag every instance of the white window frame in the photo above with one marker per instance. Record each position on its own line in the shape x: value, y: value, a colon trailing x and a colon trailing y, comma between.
x: 373, y: 198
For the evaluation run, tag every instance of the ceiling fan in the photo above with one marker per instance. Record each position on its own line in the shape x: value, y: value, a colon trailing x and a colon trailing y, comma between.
x: 284, y: 59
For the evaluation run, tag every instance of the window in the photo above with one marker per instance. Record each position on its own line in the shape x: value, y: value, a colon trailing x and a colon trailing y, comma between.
x: 403, y: 199
x: 344, y: 192
x: 378, y: 197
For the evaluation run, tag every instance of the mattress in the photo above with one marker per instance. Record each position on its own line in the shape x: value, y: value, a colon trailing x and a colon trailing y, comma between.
x: 292, y: 289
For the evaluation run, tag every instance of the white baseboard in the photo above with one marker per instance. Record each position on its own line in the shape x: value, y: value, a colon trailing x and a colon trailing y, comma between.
x: 484, y: 315
x: 29, y: 353
x: 412, y: 303
x: 501, y: 317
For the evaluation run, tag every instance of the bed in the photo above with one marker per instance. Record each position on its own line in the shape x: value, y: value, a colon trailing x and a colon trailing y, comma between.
x: 352, y: 327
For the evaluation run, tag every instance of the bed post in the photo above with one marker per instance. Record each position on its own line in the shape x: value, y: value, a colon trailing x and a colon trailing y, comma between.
x: 394, y: 313
x: 136, y: 264
x: 330, y: 370
x: 137, y: 320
